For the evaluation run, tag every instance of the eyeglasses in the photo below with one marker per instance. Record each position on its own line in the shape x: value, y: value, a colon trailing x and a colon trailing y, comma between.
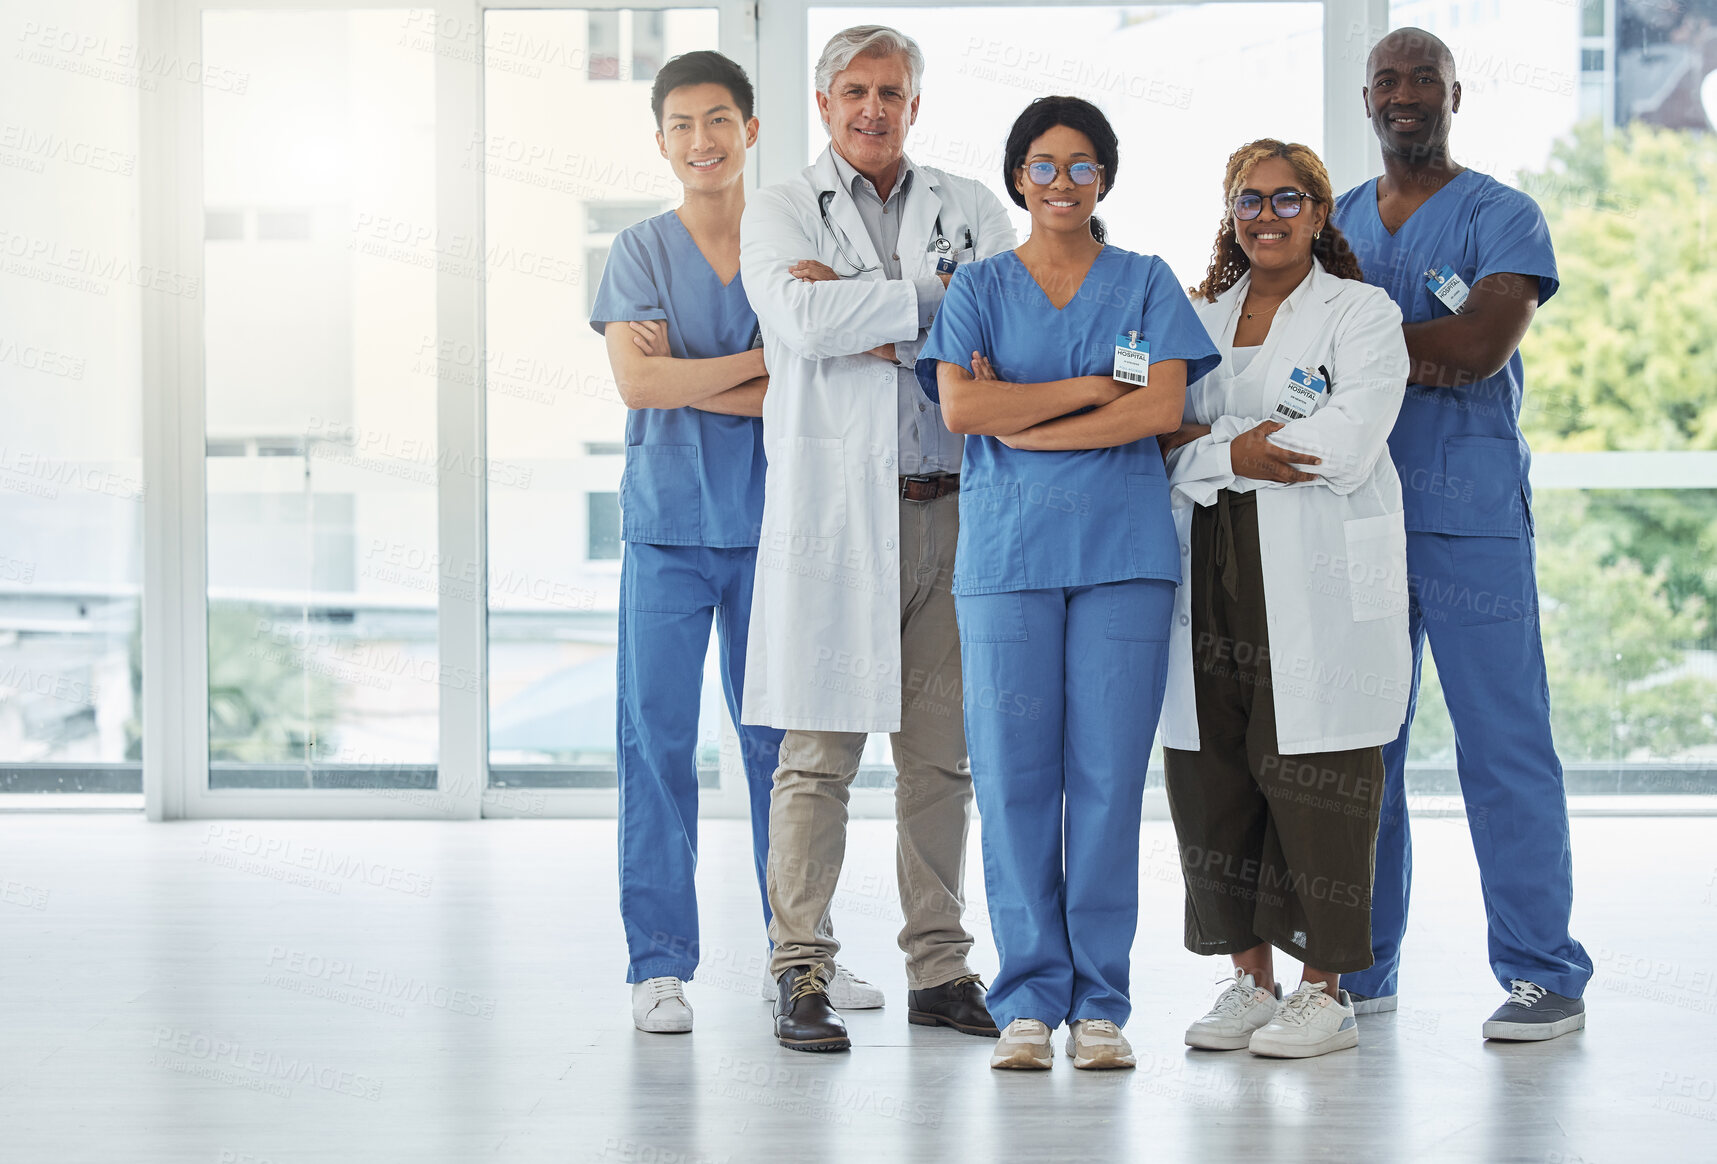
x: 1082, y: 173
x: 1286, y: 204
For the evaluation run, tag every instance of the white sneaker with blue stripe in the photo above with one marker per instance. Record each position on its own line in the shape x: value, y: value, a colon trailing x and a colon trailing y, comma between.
x: 1240, y: 1009
x: 1309, y: 1022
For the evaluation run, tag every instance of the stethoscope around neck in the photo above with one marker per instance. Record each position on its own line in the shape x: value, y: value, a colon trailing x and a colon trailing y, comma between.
x: 847, y: 253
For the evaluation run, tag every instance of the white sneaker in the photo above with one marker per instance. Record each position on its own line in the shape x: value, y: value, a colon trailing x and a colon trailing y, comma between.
x: 1098, y: 1045
x: 659, y: 1006
x: 1309, y: 1022
x: 1025, y: 1045
x: 847, y: 992
x: 1241, y: 1009
x: 850, y: 992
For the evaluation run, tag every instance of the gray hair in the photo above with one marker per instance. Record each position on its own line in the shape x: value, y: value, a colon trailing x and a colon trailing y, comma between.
x: 867, y: 40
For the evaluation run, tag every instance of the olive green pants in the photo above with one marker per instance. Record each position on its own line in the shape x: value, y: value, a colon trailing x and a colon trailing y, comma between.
x: 1273, y: 848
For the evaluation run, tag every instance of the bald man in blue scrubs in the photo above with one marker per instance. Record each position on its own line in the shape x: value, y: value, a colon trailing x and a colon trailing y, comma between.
x: 1468, y: 260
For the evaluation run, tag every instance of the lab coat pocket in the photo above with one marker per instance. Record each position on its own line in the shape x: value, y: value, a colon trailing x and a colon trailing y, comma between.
x: 1377, y: 566
x: 816, y: 487
x: 659, y: 494
x: 991, y: 550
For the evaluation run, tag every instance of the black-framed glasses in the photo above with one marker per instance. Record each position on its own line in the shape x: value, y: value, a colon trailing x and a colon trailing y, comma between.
x: 1082, y: 173
x: 1286, y: 204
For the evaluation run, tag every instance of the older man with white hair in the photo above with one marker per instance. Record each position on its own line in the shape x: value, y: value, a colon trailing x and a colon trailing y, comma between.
x: 852, y: 622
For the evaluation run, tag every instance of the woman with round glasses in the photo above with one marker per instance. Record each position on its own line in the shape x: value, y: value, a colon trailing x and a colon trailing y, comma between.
x: 1062, y: 361
x: 1290, y: 663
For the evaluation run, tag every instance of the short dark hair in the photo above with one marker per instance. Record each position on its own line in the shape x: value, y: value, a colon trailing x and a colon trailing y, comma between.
x: 1045, y: 114
x: 703, y: 67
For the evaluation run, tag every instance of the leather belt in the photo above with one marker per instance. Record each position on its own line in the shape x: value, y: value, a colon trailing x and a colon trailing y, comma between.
x: 929, y: 486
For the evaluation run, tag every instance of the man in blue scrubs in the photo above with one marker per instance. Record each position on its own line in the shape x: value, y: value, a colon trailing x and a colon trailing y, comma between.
x: 1468, y: 260
x: 680, y: 331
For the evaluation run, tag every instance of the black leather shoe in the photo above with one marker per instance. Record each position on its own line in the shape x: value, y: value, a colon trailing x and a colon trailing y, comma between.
x: 959, y: 1004
x: 804, y: 1019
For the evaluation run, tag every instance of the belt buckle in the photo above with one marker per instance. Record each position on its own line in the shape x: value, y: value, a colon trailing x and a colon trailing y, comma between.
x: 907, y: 481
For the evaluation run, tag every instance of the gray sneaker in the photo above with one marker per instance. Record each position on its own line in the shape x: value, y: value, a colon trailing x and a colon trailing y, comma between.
x: 1533, y: 1013
x: 1373, y: 1004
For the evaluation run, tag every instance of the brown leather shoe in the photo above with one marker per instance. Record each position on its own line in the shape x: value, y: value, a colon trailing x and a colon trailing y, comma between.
x: 804, y: 1020
x: 959, y: 1004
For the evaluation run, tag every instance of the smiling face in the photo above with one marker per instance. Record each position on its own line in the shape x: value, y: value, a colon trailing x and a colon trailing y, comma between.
x: 1271, y: 242
x: 1413, y: 95
x: 1062, y: 205
x: 868, y: 109
x: 704, y: 138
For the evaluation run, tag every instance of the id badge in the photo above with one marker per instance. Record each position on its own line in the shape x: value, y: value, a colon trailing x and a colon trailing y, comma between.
x: 1301, y: 395
x: 1447, y: 287
x: 1132, y: 358
x: 942, y: 247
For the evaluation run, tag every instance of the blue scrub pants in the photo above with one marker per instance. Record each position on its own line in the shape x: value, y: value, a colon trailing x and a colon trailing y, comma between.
x: 1476, y: 599
x: 1062, y: 693
x: 667, y: 597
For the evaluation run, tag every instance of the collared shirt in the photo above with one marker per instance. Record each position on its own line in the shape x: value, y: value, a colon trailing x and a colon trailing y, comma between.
x: 926, y: 445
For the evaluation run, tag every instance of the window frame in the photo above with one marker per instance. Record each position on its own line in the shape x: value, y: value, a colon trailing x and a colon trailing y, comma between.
x: 175, y: 641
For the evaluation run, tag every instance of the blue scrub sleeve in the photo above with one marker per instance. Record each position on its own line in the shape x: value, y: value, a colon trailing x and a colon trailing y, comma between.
x: 956, y: 332
x: 628, y: 288
x: 1172, y: 325
x: 1513, y: 237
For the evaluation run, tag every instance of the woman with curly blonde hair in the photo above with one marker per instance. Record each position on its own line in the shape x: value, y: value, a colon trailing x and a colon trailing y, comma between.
x: 1289, y: 665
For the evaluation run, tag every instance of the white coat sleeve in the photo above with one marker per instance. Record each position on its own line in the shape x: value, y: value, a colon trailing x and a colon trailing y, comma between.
x: 1368, y: 378
x: 821, y: 320
x: 992, y: 233
x: 994, y: 230
x: 1199, y: 469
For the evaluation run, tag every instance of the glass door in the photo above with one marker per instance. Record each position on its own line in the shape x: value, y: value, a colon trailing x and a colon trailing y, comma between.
x: 315, y: 473
x: 320, y: 256
x: 71, y: 477
x: 569, y: 159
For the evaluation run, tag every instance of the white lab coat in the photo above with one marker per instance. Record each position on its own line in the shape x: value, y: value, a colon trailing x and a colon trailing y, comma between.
x: 1334, y: 552
x: 824, y: 646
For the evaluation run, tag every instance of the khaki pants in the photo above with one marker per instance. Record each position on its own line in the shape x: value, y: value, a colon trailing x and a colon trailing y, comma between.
x: 1274, y: 848
x: 932, y: 796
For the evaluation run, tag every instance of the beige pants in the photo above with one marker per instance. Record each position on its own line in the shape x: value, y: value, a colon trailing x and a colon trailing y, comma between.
x: 932, y: 796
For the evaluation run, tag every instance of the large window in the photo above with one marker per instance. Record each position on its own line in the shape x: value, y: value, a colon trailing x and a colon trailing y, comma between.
x: 569, y: 160
x: 321, y: 254
x: 71, y: 489
x: 1149, y: 68
x: 332, y: 297
x: 1617, y: 364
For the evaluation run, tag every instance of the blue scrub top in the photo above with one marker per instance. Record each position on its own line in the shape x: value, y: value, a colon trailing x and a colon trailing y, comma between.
x: 692, y: 478
x: 1042, y: 520
x: 1462, y: 461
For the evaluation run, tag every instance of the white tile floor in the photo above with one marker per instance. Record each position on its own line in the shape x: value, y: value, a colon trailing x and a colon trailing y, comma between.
x: 297, y: 991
